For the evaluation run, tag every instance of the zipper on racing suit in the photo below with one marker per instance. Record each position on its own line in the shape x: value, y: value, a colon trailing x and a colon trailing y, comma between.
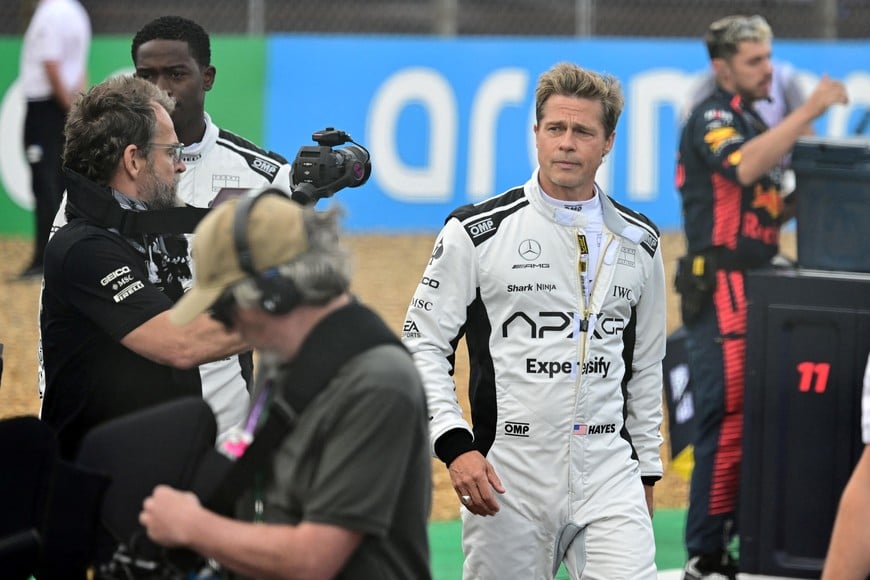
x: 582, y: 267
x: 580, y: 331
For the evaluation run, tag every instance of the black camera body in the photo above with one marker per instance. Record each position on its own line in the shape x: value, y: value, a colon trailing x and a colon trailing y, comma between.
x: 321, y: 170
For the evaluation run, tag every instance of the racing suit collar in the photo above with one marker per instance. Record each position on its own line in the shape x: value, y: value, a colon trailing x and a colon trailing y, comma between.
x: 193, y: 152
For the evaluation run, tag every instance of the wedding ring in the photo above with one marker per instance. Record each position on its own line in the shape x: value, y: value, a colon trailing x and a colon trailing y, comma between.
x: 466, y: 499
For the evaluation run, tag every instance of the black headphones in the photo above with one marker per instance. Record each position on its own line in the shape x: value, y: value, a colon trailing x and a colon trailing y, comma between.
x: 278, y: 294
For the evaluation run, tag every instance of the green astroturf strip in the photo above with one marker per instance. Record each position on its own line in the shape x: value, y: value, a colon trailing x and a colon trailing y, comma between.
x: 444, y: 540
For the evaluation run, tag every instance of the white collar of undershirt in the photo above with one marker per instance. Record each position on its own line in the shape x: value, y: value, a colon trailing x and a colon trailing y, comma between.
x: 585, y: 206
x: 194, y: 151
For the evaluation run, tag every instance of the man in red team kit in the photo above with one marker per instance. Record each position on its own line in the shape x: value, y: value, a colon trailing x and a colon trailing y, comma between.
x: 729, y: 177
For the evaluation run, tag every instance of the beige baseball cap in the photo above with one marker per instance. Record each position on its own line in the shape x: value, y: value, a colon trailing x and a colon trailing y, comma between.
x: 275, y: 236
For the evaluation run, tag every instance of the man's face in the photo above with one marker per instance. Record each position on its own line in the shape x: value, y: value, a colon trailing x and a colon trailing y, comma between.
x: 571, y: 144
x: 750, y: 71
x: 169, y: 65
x: 257, y: 328
x: 158, y: 184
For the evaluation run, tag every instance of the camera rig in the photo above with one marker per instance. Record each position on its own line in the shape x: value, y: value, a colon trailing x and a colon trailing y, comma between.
x: 320, y: 170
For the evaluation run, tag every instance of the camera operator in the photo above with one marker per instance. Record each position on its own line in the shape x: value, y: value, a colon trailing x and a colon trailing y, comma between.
x: 108, y: 346
x: 347, y: 492
x: 174, y: 53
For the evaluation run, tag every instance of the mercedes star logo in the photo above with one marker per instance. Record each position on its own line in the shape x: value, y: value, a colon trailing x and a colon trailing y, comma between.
x: 529, y: 250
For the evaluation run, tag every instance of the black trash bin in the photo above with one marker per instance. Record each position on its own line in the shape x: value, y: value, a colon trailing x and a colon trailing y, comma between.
x: 833, y: 203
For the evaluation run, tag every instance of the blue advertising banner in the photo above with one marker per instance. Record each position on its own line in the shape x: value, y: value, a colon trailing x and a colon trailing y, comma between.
x: 449, y: 121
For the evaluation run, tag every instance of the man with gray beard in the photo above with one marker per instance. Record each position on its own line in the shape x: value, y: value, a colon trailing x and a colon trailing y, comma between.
x: 108, y: 346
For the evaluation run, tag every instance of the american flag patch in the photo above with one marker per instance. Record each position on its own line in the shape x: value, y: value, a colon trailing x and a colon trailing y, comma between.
x: 580, y: 429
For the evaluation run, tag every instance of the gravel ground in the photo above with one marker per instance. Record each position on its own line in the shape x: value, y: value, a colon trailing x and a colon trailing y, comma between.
x: 387, y: 269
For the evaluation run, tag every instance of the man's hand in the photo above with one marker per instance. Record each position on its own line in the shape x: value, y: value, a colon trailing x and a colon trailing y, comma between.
x: 474, y: 480
x: 650, y: 501
x: 828, y: 92
x: 168, y: 515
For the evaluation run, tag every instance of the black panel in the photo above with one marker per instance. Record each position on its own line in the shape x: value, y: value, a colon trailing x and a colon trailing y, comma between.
x: 833, y: 203
x: 807, y: 345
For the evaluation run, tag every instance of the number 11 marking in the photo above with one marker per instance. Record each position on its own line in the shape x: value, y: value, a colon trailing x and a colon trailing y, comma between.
x: 808, y: 370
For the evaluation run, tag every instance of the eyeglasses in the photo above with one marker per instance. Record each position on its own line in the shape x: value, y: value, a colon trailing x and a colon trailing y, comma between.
x: 223, y: 309
x: 176, y: 149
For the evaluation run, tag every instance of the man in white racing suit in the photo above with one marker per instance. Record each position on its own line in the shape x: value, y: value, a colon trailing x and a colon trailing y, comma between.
x: 559, y: 292
x: 175, y: 54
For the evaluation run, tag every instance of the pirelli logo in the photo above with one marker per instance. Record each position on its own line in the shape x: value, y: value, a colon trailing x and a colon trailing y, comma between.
x: 128, y: 291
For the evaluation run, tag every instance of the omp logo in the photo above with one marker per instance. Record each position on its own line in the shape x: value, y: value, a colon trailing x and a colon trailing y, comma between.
x: 538, y: 325
x: 111, y: 276
x: 128, y: 291
x: 410, y: 330
x: 421, y: 304
x: 596, y: 366
x: 529, y: 250
x: 516, y: 429
x: 265, y: 166
x: 549, y: 368
x: 481, y: 227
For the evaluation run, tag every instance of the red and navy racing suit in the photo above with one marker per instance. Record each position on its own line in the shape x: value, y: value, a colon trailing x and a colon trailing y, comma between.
x: 739, y: 227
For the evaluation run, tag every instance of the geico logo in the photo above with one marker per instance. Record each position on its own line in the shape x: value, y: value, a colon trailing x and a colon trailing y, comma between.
x: 549, y: 368
x: 515, y: 429
x: 481, y: 228
x: 430, y: 282
x: 537, y: 327
x: 262, y: 165
x: 421, y: 304
x: 119, y: 272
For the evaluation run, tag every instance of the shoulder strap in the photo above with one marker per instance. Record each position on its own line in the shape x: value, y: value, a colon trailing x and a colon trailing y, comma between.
x: 338, y: 338
x: 97, y: 206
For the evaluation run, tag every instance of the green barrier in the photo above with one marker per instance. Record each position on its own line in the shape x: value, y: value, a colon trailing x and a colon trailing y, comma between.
x: 446, y: 546
x: 235, y: 103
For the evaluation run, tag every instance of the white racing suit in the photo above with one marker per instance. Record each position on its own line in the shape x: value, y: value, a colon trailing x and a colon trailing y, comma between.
x: 565, y: 396
x: 221, y: 160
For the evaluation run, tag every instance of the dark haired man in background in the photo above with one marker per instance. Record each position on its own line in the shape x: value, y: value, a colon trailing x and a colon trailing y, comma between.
x: 174, y: 53
x: 729, y: 177
x: 109, y: 348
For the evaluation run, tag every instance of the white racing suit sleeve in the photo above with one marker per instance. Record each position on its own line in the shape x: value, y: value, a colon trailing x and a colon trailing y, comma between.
x: 435, y: 322
x: 644, y: 388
